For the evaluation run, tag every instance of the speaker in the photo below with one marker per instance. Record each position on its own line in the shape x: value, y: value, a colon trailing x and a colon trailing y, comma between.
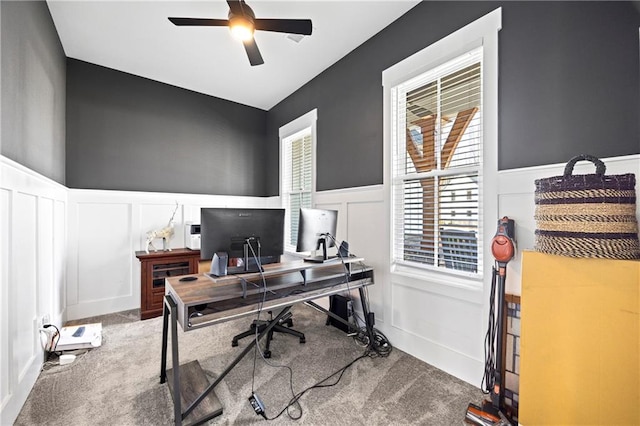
x: 343, y: 251
x: 341, y: 306
x: 219, y: 264
x: 192, y: 236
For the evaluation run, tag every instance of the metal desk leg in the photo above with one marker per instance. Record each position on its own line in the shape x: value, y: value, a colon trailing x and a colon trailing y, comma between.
x: 368, y: 316
x: 177, y: 409
x: 165, y: 327
x: 238, y: 358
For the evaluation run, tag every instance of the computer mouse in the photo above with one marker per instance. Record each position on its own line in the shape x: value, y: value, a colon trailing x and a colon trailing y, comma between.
x: 191, y: 278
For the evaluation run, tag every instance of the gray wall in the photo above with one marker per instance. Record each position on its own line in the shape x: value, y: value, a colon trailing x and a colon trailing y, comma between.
x: 126, y: 132
x: 33, y: 89
x: 569, y: 84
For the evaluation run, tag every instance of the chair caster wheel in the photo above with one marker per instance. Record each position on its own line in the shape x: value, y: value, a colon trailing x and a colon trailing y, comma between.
x: 303, y: 340
x: 234, y: 343
x: 267, y: 354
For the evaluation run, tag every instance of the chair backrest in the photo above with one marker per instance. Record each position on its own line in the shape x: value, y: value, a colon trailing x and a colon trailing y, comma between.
x: 459, y: 249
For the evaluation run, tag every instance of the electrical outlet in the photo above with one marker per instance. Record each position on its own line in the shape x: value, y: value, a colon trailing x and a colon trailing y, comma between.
x: 45, y: 320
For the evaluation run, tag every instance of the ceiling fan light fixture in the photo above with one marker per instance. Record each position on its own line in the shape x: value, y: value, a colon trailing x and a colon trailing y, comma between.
x: 242, y: 23
x: 241, y: 28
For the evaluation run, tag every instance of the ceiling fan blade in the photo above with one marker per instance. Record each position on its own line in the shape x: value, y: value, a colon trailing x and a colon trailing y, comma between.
x: 199, y: 22
x: 235, y: 7
x: 255, y: 58
x: 289, y: 26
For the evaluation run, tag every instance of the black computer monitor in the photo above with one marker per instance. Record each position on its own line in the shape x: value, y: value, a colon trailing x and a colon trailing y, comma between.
x: 238, y: 235
x: 316, y: 229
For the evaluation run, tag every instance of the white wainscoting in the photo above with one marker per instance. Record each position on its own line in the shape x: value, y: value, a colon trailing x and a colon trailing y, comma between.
x: 361, y: 222
x: 33, y: 234
x: 106, y: 228
x: 440, y: 327
x: 69, y: 254
x: 440, y: 323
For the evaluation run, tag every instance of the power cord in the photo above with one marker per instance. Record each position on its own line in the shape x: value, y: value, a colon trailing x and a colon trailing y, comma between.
x: 51, y: 363
x: 321, y: 384
x: 264, y: 296
x: 50, y: 345
x: 489, y: 341
x: 51, y: 338
x: 254, y: 399
x: 377, y: 350
x: 380, y: 347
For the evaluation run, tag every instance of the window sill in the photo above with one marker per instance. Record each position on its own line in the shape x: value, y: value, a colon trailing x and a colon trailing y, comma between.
x: 451, y: 285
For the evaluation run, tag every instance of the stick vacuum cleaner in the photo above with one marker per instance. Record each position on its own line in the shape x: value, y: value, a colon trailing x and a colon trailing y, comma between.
x: 491, y: 413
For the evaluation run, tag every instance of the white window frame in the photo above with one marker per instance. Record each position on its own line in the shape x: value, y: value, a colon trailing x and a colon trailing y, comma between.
x: 482, y: 32
x: 300, y: 124
x: 402, y: 176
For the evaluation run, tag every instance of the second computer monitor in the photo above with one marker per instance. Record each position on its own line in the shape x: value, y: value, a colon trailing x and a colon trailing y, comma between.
x: 316, y: 229
x: 247, y: 237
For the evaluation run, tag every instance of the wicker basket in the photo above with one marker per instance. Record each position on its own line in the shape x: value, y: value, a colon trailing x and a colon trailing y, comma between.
x: 587, y: 215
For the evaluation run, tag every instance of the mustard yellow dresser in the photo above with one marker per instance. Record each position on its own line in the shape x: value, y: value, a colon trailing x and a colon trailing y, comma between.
x: 579, y: 341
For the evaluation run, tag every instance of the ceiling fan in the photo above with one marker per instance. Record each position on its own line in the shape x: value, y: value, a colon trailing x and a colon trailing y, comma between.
x: 242, y: 22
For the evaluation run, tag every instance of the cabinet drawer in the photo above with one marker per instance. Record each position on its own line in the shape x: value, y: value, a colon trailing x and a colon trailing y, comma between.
x: 157, y: 298
x: 172, y: 269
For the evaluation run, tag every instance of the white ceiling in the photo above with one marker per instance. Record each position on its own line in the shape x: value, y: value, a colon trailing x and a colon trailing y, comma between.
x: 136, y: 37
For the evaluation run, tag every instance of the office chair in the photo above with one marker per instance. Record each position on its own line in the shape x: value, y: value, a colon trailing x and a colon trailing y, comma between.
x: 459, y: 249
x: 279, y: 327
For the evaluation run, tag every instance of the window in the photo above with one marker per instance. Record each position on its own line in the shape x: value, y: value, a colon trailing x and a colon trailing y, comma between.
x: 441, y: 139
x: 437, y: 152
x: 297, y: 172
x: 297, y: 182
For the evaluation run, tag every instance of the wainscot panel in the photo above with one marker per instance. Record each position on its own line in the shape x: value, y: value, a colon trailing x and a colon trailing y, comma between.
x: 33, y: 233
x: 106, y: 228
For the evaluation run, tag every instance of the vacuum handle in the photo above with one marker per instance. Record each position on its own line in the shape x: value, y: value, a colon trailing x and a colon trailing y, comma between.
x: 502, y: 245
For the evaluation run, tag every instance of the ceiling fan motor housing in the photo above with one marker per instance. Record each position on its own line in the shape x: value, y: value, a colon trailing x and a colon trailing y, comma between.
x: 247, y: 13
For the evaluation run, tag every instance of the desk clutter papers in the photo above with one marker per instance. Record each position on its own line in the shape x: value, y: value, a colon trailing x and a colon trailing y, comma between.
x: 85, y: 336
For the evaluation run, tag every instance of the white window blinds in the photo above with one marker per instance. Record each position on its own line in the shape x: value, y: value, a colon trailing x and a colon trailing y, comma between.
x: 297, y: 181
x: 437, y: 167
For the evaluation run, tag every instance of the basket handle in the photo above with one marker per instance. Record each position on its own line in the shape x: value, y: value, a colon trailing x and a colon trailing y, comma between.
x: 600, y: 167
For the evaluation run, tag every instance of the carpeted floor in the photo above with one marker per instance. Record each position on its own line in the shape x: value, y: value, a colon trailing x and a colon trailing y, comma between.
x: 118, y: 383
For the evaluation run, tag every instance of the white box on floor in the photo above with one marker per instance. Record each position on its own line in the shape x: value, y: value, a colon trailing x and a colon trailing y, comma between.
x: 89, y: 337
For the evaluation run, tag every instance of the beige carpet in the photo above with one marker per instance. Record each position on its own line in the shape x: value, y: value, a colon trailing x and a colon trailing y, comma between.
x: 118, y: 383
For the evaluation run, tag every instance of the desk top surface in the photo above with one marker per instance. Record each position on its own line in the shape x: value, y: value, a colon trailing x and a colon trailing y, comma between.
x: 283, y: 284
x: 210, y: 288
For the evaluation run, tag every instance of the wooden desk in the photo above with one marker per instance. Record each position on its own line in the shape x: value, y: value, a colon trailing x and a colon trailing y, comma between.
x: 209, y: 300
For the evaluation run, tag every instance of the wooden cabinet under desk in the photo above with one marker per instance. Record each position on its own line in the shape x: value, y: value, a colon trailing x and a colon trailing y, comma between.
x: 154, y: 268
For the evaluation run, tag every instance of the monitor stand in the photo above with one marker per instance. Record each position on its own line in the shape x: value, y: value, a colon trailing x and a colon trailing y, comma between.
x: 323, y: 258
x: 220, y: 263
x: 319, y: 259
